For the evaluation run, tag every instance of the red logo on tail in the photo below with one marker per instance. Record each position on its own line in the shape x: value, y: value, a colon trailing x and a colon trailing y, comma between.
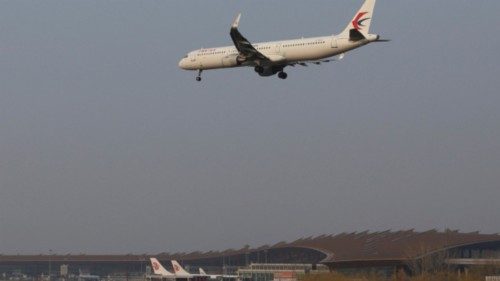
x: 358, y: 22
x: 156, y: 266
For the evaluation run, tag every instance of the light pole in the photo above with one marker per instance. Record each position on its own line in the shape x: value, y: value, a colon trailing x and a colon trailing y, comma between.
x: 50, y: 263
x: 142, y: 271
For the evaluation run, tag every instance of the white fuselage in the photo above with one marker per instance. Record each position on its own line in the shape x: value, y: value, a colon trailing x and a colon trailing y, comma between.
x: 279, y: 52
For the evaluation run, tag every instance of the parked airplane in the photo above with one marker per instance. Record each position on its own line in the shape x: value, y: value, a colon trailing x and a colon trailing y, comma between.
x: 88, y: 277
x: 269, y: 58
x: 158, y: 269
x: 182, y: 273
x: 217, y: 276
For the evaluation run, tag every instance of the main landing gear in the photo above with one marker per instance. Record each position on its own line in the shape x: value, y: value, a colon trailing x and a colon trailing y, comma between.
x: 282, y: 75
x: 198, y: 78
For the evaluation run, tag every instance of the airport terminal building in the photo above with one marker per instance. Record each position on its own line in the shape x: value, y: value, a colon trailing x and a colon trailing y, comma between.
x: 389, y: 251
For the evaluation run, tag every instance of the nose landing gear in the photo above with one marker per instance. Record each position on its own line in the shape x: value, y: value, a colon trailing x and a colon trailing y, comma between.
x: 282, y: 75
x: 198, y: 78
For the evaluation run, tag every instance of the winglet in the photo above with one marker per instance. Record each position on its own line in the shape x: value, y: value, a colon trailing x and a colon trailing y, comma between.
x: 236, y: 21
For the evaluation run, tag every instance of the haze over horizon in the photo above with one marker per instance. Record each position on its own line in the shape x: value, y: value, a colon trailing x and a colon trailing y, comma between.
x: 106, y: 146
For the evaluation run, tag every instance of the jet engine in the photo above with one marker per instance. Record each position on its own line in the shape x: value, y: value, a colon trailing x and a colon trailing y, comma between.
x: 268, y: 70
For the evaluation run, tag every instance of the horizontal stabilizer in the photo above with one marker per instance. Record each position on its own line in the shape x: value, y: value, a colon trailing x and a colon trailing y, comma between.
x: 356, y: 35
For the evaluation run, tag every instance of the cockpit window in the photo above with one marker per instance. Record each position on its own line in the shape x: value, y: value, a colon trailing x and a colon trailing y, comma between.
x: 185, y: 56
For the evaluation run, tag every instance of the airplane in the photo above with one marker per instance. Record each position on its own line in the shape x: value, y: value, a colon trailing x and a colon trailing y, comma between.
x: 270, y: 58
x: 217, y: 276
x: 182, y: 273
x: 88, y: 277
x: 158, y: 269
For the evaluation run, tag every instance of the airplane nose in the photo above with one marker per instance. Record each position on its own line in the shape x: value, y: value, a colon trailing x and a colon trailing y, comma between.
x: 182, y: 63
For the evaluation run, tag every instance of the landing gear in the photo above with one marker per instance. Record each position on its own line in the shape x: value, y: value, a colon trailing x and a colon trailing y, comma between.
x: 282, y: 75
x: 198, y: 78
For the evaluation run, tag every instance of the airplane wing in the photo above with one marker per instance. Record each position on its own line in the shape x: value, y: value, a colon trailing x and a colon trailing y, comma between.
x: 318, y: 62
x: 244, y: 47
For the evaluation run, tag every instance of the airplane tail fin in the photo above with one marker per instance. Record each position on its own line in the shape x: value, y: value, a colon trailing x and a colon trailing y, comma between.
x: 159, y: 269
x: 202, y: 272
x: 178, y: 268
x: 359, y: 27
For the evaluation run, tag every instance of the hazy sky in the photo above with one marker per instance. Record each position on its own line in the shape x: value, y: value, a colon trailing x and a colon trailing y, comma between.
x: 107, y: 147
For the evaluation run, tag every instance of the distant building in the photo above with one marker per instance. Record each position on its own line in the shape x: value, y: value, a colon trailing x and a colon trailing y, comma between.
x: 277, y: 272
x: 387, y: 251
